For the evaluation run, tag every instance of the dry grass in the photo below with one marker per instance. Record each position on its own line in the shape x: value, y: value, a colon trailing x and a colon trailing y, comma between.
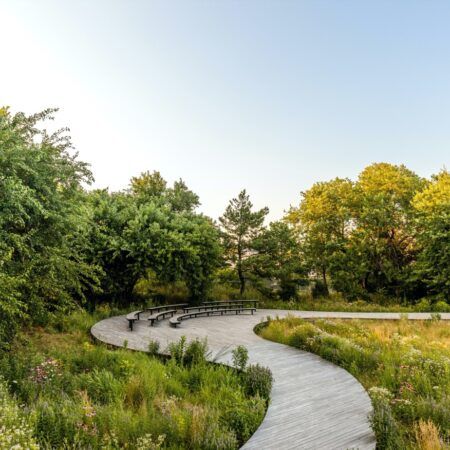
x: 427, y: 436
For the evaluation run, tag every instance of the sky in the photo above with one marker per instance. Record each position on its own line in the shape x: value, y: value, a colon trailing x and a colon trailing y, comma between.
x: 270, y: 96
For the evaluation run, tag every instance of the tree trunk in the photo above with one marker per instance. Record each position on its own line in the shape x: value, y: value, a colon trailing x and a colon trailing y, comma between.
x: 325, y: 283
x: 241, y: 278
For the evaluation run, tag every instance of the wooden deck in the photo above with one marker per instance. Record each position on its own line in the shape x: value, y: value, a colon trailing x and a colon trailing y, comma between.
x: 314, y: 404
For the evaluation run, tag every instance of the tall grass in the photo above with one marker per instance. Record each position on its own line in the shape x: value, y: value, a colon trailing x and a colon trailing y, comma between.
x: 405, y: 365
x: 82, y: 395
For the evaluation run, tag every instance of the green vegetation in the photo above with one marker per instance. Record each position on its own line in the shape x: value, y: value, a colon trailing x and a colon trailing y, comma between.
x: 371, y: 244
x: 404, y: 365
x: 385, y: 234
x: 74, y: 394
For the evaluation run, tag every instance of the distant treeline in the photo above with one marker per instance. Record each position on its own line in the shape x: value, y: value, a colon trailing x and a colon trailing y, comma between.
x: 61, y: 245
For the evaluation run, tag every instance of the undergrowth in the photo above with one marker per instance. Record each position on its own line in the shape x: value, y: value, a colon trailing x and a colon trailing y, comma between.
x: 76, y: 394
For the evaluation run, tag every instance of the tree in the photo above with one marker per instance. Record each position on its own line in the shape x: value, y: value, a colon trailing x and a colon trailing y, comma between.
x: 432, y: 206
x: 240, y: 226
x: 151, y: 228
x: 42, y: 221
x: 109, y: 216
x: 384, y: 232
x: 152, y: 187
x: 278, y: 259
x: 323, y: 221
x: 176, y: 247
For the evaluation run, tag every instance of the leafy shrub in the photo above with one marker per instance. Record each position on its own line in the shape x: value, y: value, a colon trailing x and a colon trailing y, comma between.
x: 441, y: 306
x: 240, y: 357
x: 153, y: 347
x: 258, y: 381
x: 242, y: 423
x: 423, y: 306
x: 195, y: 352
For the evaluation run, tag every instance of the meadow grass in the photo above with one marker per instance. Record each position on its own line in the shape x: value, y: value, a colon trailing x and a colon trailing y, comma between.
x: 404, y: 365
x: 336, y: 302
x: 76, y: 394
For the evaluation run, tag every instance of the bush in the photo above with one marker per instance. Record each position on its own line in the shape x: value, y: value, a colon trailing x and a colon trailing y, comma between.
x: 240, y: 357
x: 319, y: 289
x: 441, y: 306
x: 196, y: 352
x: 153, y: 347
x: 258, y: 381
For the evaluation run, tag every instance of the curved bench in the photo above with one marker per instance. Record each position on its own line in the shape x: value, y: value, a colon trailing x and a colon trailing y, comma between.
x: 135, y: 315
x: 132, y: 317
x: 252, y: 303
x: 157, y: 309
x: 175, y: 321
x: 211, y: 307
x: 162, y: 315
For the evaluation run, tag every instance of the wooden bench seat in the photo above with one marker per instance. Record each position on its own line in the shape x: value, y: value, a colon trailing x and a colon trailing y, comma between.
x: 175, y: 321
x: 156, y: 309
x: 161, y: 315
x: 132, y: 317
x: 210, y: 307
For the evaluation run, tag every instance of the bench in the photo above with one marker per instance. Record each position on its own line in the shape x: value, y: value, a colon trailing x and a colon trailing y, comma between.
x: 156, y: 309
x: 210, y: 307
x: 161, y: 315
x: 175, y: 321
x: 232, y: 302
x: 135, y: 315
x: 132, y: 317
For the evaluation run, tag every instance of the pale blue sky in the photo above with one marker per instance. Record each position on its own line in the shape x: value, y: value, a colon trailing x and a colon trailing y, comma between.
x: 265, y: 95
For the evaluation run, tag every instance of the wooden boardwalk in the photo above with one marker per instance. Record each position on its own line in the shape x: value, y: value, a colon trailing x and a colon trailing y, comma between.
x: 314, y: 404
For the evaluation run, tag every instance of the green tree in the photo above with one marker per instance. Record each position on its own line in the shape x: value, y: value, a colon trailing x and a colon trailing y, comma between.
x: 240, y: 227
x: 432, y: 206
x: 278, y: 259
x: 109, y: 216
x: 383, y: 237
x: 152, y: 187
x: 151, y: 228
x: 42, y: 220
x: 176, y: 247
x: 323, y: 221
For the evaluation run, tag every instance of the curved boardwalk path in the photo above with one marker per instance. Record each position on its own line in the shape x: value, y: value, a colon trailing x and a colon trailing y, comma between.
x: 314, y: 404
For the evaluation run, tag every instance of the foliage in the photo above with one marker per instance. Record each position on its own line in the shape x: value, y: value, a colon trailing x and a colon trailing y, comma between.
x: 151, y: 231
x: 277, y: 257
x: 99, y: 398
x: 433, y: 222
x: 42, y: 225
x: 258, y: 381
x: 387, y: 233
x: 240, y: 357
x: 240, y: 227
x: 404, y: 364
x: 323, y: 221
